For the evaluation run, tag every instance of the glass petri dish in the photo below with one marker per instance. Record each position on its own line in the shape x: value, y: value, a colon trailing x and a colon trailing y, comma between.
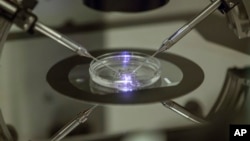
x: 116, y: 70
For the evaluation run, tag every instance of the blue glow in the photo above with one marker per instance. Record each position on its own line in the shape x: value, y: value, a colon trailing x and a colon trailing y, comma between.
x: 127, y: 82
x: 126, y: 57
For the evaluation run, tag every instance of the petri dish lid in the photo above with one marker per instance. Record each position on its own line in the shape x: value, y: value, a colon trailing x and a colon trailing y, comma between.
x: 125, y: 71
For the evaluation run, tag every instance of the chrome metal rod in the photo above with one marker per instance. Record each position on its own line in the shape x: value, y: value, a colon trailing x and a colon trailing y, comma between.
x: 182, y: 111
x: 8, y: 7
x: 62, y: 39
x: 180, y: 33
x: 79, y: 119
x: 67, y: 42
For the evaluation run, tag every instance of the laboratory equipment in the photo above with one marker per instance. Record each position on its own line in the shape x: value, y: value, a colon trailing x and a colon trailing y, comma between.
x: 185, y: 29
x: 22, y: 17
x: 73, y: 81
x: 28, y: 22
x: 31, y: 24
x: 237, y: 12
x: 180, y: 33
x: 79, y: 119
x: 125, y: 62
x: 183, y: 112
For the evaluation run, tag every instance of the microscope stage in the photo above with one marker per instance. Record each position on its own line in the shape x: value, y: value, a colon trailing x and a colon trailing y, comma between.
x: 179, y: 76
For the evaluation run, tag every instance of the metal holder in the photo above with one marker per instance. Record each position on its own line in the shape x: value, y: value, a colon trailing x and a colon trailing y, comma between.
x: 239, y: 20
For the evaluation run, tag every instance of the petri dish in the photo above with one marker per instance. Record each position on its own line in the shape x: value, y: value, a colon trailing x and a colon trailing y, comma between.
x: 116, y: 70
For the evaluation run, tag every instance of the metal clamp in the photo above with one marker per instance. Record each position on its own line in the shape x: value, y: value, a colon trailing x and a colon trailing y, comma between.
x: 238, y: 16
x: 25, y: 20
x: 21, y: 15
x: 227, y: 5
x: 239, y: 19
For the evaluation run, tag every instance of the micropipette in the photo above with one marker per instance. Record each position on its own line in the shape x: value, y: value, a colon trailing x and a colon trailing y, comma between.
x: 79, y: 119
x: 67, y: 42
x: 62, y: 39
x: 183, y: 111
x: 180, y: 33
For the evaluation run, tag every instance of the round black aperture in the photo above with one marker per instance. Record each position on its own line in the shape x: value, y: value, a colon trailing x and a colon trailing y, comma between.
x: 124, y: 5
x: 58, y: 78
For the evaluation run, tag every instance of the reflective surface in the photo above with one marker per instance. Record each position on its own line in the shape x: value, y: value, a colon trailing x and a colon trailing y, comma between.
x: 171, y: 75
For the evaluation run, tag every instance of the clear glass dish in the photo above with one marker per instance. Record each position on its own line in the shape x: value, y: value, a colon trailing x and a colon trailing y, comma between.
x: 116, y: 70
